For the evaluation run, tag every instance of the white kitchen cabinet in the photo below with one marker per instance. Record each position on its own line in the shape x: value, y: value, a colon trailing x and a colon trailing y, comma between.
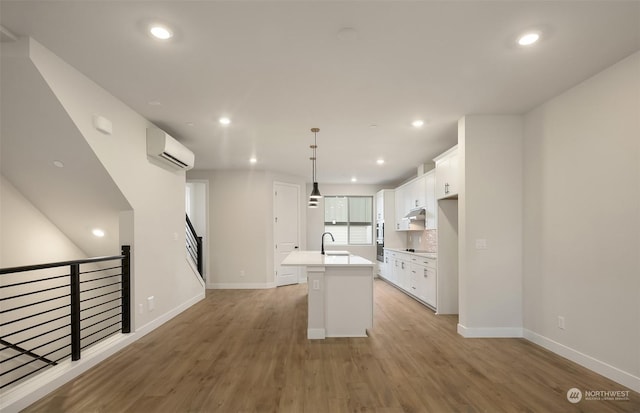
x: 385, y: 266
x: 380, y: 206
x: 401, y: 223
x: 417, y: 193
x: 394, y: 268
x: 428, y: 287
x: 431, y: 220
x: 403, y: 272
x: 423, y: 270
x: 414, y: 273
x: 447, y: 174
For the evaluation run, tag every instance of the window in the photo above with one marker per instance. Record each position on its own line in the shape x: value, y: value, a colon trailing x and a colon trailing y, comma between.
x: 349, y: 219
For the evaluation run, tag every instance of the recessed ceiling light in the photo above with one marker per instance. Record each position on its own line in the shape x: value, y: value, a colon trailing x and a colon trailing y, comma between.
x: 528, y: 39
x: 380, y: 161
x: 253, y: 160
x: 417, y: 123
x: 58, y: 164
x: 224, y: 121
x: 154, y: 103
x: 354, y: 179
x: 98, y: 232
x: 190, y: 124
x: 160, y: 32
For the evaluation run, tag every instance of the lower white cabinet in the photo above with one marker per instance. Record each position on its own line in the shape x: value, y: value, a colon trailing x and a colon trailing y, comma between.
x: 414, y: 274
x: 402, y: 272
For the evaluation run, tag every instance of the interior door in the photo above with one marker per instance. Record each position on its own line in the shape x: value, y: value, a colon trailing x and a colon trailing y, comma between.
x: 286, y: 224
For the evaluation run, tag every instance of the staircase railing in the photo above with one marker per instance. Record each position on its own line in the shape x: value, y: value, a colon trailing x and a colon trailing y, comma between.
x: 194, y: 246
x: 46, y: 317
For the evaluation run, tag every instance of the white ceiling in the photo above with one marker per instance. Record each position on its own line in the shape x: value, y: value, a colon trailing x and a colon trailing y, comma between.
x: 360, y: 71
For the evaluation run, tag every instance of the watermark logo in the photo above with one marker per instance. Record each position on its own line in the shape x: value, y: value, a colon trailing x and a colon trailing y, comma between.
x: 574, y: 395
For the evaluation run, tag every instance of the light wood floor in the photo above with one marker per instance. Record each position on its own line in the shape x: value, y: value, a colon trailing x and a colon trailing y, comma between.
x: 246, y: 351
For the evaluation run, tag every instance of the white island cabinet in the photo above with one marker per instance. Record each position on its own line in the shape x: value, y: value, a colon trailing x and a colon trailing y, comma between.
x: 340, y: 299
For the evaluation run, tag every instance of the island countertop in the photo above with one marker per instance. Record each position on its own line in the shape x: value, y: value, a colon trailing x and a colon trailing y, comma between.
x: 315, y: 259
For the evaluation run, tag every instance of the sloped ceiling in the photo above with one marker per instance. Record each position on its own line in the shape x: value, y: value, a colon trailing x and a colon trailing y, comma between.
x: 36, y: 131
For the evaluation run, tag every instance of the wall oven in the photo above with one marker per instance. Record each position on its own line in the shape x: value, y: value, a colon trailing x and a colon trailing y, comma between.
x: 380, y: 251
x: 380, y: 232
x: 380, y: 241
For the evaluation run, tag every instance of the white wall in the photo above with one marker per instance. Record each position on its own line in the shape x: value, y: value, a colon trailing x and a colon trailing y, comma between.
x: 160, y: 267
x: 582, y: 222
x: 490, y: 208
x: 28, y: 237
x: 241, y: 228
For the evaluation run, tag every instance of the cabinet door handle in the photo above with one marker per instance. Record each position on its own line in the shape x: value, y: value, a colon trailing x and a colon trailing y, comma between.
x: 402, y: 263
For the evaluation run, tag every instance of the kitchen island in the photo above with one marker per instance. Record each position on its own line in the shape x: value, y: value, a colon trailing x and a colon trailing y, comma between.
x: 340, y: 297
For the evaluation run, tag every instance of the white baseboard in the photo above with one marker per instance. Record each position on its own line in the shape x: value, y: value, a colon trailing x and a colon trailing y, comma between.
x: 32, y: 390
x: 241, y: 286
x: 315, y: 333
x: 602, y: 368
x: 490, y: 332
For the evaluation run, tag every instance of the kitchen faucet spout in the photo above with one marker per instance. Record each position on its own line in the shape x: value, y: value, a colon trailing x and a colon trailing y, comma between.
x: 332, y: 239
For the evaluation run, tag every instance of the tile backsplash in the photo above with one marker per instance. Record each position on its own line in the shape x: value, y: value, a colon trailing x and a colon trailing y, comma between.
x: 426, y: 240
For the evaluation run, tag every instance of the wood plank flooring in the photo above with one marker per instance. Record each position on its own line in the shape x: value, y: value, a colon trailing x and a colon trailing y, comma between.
x: 247, y: 351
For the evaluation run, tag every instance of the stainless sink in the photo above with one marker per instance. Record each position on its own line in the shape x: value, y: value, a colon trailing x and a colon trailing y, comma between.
x: 334, y: 252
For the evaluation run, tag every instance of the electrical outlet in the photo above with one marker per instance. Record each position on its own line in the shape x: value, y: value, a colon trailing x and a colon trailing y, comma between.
x: 561, y: 322
x: 151, y: 303
x: 316, y: 284
x: 140, y: 309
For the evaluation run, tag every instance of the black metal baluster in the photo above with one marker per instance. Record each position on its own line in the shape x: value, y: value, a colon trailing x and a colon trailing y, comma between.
x: 126, y: 289
x: 75, y: 312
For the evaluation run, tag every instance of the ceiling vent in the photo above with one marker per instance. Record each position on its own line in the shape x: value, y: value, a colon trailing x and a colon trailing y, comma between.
x: 170, y: 153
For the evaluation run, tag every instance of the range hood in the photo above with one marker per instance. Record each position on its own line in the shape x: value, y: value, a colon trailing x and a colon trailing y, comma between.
x: 417, y: 214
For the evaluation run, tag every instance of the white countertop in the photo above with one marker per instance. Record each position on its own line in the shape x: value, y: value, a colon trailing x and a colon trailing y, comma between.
x: 417, y: 252
x: 315, y: 259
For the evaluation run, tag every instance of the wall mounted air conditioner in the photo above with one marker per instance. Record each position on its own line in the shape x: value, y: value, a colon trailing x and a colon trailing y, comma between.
x: 168, y: 151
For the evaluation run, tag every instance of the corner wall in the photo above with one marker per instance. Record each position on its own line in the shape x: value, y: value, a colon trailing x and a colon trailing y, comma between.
x: 490, y: 209
x: 582, y: 223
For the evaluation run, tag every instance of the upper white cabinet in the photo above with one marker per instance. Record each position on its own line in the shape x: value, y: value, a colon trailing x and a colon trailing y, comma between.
x: 430, y: 200
x: 447, y: 174
x: 417, y: 195
x: 380, y: 206
x: 401, y: 223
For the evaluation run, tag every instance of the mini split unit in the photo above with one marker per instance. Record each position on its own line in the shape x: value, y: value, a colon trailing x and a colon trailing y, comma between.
x: 169, y: 153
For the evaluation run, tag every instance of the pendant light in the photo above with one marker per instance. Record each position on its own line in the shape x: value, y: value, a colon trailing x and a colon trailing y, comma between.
x: 313, y: 202
x: 315, y: 192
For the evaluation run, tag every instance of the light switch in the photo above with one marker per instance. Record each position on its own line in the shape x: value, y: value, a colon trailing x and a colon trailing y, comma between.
x: 481, y: 244
x: 316, y: 284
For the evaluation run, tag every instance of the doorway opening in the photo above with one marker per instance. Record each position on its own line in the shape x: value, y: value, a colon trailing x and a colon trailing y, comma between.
x: 196, y: 208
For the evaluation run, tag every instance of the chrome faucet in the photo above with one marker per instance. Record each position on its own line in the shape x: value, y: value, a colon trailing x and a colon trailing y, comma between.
x: 332, y: 239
